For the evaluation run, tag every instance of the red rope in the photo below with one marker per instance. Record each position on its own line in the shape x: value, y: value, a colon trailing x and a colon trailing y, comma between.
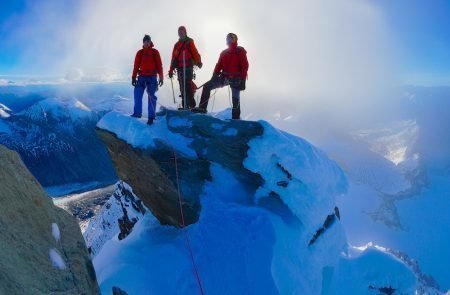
x: 183, y: 225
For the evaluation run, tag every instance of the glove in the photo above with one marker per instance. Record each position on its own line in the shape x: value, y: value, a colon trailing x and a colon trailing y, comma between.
x: 242, y: 85
x: 161, y: 82
x: 215, y: 76
x: 170, y: 74
x: 200, y: 65
x: 134, y: 82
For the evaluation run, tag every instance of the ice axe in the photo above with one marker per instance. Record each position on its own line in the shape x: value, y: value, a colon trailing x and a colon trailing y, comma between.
x: 173, y: 91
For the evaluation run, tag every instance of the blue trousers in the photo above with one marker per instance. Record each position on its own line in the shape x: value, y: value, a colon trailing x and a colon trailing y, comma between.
x: 151, y: 84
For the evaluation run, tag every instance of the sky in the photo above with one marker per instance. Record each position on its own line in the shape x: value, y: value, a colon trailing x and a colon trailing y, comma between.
x: 36, y: 35
x: 422, y: 31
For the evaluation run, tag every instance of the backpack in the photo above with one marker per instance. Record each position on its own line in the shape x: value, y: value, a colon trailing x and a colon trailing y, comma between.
x: 175, y: 60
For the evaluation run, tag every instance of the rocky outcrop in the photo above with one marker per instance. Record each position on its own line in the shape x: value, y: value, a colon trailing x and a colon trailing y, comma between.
x: 151, y: 171
x: 118, y: 291
x: 154, y: 187
x: 42, y: 250
x: 261, y: 204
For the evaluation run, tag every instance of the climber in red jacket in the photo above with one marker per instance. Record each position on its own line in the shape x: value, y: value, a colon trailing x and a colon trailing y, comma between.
x: 231, y: 69
x: 148, y: 66
x: 184, y: 57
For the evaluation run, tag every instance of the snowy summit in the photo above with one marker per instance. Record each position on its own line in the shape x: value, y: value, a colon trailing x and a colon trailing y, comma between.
x: 274, y: 228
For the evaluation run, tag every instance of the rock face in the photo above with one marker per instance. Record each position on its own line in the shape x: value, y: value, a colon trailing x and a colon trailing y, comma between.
x: 151, y: 170
x: 42, y: 250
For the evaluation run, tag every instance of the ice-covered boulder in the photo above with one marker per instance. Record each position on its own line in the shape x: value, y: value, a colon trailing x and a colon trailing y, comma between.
x: 260, y: 204
x: 41, y: 247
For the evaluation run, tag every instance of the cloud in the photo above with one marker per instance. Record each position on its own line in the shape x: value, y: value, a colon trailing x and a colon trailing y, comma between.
x: 303, y: 54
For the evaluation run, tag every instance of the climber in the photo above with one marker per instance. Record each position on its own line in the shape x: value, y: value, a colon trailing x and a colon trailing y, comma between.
x: 231, y: 69
x: 148, y: 66
x: 184, y: 57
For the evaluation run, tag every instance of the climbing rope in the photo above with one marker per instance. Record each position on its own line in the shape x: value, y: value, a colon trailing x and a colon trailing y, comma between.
x: 183, y: 226
x: 214, y: 100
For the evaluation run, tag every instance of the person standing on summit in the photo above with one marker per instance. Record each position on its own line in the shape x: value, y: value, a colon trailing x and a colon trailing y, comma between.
x: 148, y: 65
x: 184, y: 57
x: 231, y: 69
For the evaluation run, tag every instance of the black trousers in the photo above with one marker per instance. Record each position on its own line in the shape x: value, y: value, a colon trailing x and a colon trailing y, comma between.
x: 218, y: 82
x: 188, y: 98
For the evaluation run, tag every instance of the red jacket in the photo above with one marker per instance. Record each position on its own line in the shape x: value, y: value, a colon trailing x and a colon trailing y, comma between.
x: 233, y: 62
x: 192, y: 57
x: 148, y: 63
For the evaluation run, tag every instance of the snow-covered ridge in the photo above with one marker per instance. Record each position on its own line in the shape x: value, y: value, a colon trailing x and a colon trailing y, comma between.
x: 5, y: 112
x: 138, y: 134
x: 285, y: 237
x: 115, y: 220
x: 394, y: 141
x: 309, y: 197
x: 58, y: 108
x: 56, y: 139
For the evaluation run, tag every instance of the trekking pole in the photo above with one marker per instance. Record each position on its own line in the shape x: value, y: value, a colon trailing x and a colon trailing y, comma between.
x: 184, y: 79
x: 229, y: 96
x: 173, y: 91
x: 201, y: 86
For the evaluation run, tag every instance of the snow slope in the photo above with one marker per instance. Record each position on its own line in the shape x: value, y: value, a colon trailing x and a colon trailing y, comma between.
x: 5, y: 112
x: 414, y: 220
x: 284, y: 239
x: 4, y: 127
x: 398, y: 168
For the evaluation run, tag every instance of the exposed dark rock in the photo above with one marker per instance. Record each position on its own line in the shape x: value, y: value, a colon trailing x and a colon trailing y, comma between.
x: 285, y: 171
x: 337, y: 213
x: 125, y: 223
x: 27, y: 216
x: 118, y: 291
x: 283, y: 183
x: 152, y: 174
x: 149, y: 182
x: 274, y: 203
x: 117, y: 217
x: 383, y: 290
x: 425, y: 280
x: 329, y: 221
